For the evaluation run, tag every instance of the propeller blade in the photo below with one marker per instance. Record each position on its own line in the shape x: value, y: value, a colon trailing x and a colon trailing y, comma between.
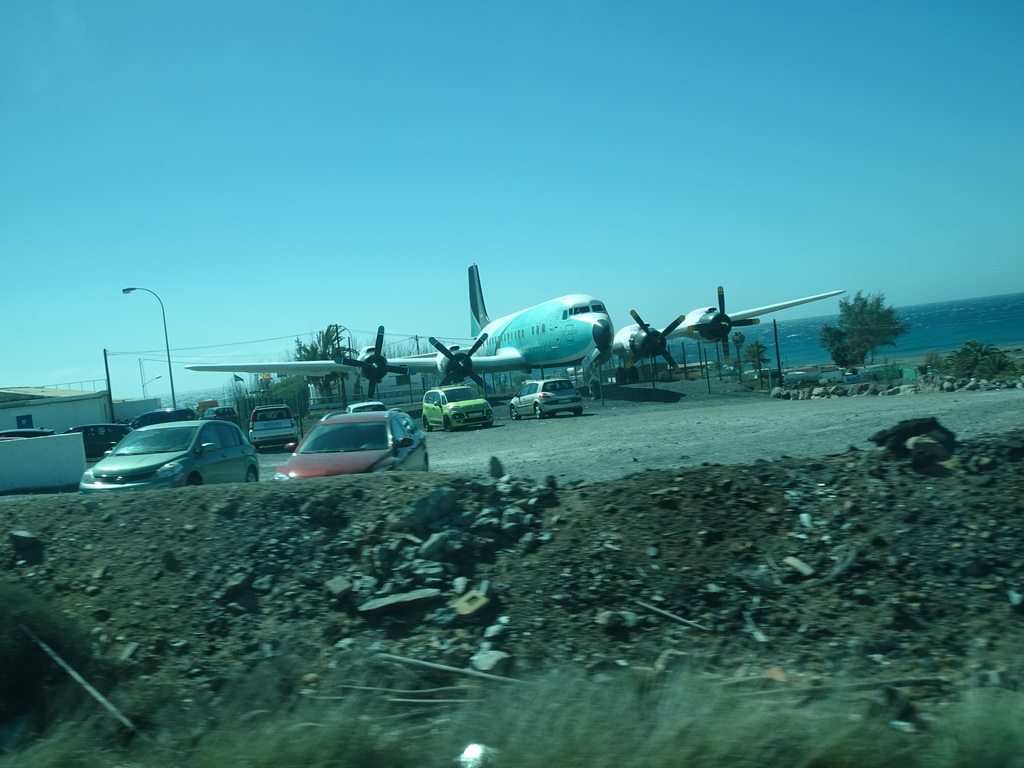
x: 725, y: 350
x: 721, y: 299
x: 673, y: 325
x: 380, y: 340
x: 639, y: 320
x: 475, y: 377
x: 441, y: 348
x: 748, y: 321
x: 371, y: 389
x: 477, y: 344
x: 669, y: 360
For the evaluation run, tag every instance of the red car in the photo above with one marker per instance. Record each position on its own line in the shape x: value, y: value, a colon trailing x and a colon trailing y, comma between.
x: 351, y: 443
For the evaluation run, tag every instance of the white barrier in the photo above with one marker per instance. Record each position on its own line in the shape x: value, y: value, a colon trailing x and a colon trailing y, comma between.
x: 41, y: 463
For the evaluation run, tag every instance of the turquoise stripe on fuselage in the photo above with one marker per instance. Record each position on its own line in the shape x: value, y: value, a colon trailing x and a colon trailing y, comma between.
x: 559, y: 331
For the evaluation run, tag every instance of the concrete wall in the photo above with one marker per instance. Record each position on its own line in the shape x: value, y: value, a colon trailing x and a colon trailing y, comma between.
x: 41, y: 463
x: 58, y: 413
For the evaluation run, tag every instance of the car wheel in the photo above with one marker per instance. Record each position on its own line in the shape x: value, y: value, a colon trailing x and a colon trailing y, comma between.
x: 447, y: 424
x: 513, y: 412
x: 537, y: 412
x: 577, y: 411
x: 426, y: 425
x: 252, y: 476
x: 194, y: 479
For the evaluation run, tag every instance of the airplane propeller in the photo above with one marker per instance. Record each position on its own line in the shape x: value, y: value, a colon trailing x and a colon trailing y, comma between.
x: 460, y: 364
x: 716, y: 326
x: 653, y: 342
x: 374, y: 366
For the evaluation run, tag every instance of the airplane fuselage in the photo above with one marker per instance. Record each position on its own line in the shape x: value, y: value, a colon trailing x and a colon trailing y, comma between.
x: 561, y: 331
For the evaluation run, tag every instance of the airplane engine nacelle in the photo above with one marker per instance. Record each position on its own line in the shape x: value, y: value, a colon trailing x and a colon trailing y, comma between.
x: 712, y: 325
x: 628, y: 343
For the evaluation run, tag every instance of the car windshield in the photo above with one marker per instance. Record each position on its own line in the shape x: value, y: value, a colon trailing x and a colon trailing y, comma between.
x: 460, y: 394
x: 340, y: 438
x: 156, y: 441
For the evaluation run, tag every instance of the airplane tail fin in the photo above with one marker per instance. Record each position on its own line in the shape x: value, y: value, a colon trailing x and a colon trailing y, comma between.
x: 478, y: 319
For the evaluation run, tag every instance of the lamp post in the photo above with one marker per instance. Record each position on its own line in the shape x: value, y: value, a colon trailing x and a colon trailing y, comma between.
x: 146, y: 383
x: 167, y: 344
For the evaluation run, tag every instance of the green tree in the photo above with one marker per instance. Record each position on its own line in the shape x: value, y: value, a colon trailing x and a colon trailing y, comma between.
x: 738, y: 340
x: 326, y: 345
x: 757, y: 355
x: 865, y: 325
x: 976, y: 359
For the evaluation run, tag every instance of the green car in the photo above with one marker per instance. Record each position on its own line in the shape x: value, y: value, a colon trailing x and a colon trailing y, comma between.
x: 175, y: 454
x: 455, y: 407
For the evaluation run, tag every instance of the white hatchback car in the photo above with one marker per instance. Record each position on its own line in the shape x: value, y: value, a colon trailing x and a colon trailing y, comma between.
x: 545, y: 397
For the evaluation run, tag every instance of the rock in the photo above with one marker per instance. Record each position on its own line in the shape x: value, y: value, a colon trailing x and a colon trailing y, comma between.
x: 426, y: 512
x: 495, y: 662
x: 895, y: 438
x: 400, y: 601
x: 26, y: 546
x: 339, y: 586
x: 496, y: 468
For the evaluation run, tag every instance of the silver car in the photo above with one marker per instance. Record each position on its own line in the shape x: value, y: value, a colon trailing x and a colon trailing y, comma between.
x: 272, y: 425
x: 545, y: 397
x: 175, y: 454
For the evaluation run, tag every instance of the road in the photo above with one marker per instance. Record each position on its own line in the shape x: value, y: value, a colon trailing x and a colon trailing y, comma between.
x: 620, y: 438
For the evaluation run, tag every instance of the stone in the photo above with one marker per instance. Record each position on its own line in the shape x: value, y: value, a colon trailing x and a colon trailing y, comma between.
x: 27, y: 546
x: 495, y: 662
x: 400, y: 601
x: 339, y: 586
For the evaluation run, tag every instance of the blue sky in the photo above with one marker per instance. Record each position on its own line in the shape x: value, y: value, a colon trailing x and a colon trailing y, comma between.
x: 269, y: 168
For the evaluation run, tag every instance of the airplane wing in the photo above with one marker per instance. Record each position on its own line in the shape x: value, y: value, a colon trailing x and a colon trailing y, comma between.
x: 293, y: 367
x: 505, y: 359
x: 781, y: 305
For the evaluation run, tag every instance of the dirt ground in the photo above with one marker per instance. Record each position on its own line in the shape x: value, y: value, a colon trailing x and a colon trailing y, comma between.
x: 856, y: 563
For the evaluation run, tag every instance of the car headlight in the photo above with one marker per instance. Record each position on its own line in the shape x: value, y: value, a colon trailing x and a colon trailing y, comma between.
x: 88, y: 476
x: 281, y: 476
x: 171, y: 469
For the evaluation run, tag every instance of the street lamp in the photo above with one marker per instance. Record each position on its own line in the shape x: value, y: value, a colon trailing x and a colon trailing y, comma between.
x: 167, y: 344
x: 147, y: 383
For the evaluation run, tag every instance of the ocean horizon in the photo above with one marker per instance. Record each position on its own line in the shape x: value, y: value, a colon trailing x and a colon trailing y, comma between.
x: 940, y: 326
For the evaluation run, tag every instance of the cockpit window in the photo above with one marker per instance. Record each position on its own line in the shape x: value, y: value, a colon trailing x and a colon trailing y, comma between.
x: 597, y: 307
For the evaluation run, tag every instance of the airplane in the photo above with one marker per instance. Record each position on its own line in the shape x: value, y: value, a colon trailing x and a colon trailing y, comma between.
x: 574, y: 329
x: 563, y: 331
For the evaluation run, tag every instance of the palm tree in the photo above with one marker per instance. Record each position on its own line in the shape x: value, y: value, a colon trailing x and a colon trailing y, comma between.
x: 738, y: 340
x: 757, y: 355
x: 326, y: 345
x: 976, y: 359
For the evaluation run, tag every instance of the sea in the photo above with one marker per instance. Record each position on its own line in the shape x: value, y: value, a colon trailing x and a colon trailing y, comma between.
x: 942, y: 326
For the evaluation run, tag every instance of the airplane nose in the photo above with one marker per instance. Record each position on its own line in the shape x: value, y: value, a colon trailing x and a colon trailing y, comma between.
x: 603, y: 335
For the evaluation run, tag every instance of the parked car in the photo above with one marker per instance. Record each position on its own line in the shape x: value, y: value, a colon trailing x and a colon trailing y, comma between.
x: 163, y: 416
x: 350, y: 443
x: 366, y: 405
x: 454, y: 407
x: 100, y: 438
x: 17, y: 434
x: 175, y: 454
x: 221, y: 412
x: 545, y: 397
x: 272, y: 425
